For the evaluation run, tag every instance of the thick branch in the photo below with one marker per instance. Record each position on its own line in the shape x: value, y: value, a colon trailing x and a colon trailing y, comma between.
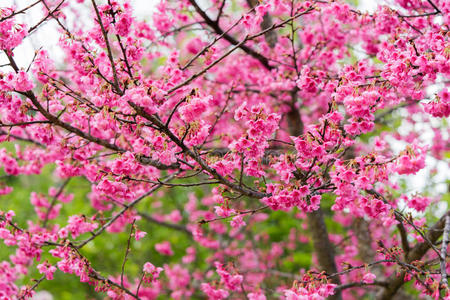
x: 56, y: 121
x: 294, y: 119
x: 323, y: 247
x: 215, y: 26
x: 316, y: 223
x: 271, y: 36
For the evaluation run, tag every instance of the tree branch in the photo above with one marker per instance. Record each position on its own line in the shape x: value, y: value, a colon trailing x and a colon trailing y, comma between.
x: 416, y: 253
x: 120, y: 213
x: 444, y: 251
x: 215, y: 26
x: 108, y: 48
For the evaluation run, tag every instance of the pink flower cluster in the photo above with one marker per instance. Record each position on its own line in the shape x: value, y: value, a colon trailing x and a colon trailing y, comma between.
x: 76, y: 226
x: 151, y: 272
x: 441, y: 107
x: 11, y: 33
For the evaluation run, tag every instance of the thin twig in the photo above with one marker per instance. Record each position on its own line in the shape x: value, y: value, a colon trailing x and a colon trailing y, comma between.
x: 54, y: 199
x: 244, y: 212
x: 127, y: 252
x: 434, y: 6
x: 50, y: 13
x: 20, y: 11
x: 443, y: 255
x: 126, y: 207
x: 108, y: 48
x: 33, y: 287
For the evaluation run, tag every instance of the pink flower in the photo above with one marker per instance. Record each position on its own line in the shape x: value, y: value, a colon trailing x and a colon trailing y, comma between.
x: 9, y: 215
x: 123, y: 26
x: 231, y: 281
x: 11, y: 34
x: 151, y: 272
x: 315, y: 202
x: 419, y: 203
x: 369, y: 277
x: 190, y: 255
x: 194, y: 108
x: 195, y: 45
x: 164, y: 248
x: 139, y: 234
x: 238, y: 221
x: 78, y: 225
x: 412, y: 161
x: 256, y: 296
x: 175, y: 216
x: 213, y: 294
x: 47, y: 269
x: 22, y: 82
x: 140, y: 97
x: 222, y: 212
x: 441, y: 107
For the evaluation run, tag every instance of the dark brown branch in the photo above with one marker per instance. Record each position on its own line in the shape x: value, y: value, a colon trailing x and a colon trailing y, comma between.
x: 419, y: 16
x: 237, y: 45
x: 360, y: 284
x: 294, y: 119
x: 219, y: 14
x: 20, y: 11
x: 108, y: 48
x: 361, y: 267
x: 241, y: 213
x: 33, y: 287
x: 194, y: 155
x: 95, y: 275
x: 361, y: 230
x: 50, y: 13
x: 151, y: 162
x: 434, y: 6
x: 23, y: 123
x: 403, y: 237
x: 322, y: 245
x: 215, y: 26
x: 271, y: 36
